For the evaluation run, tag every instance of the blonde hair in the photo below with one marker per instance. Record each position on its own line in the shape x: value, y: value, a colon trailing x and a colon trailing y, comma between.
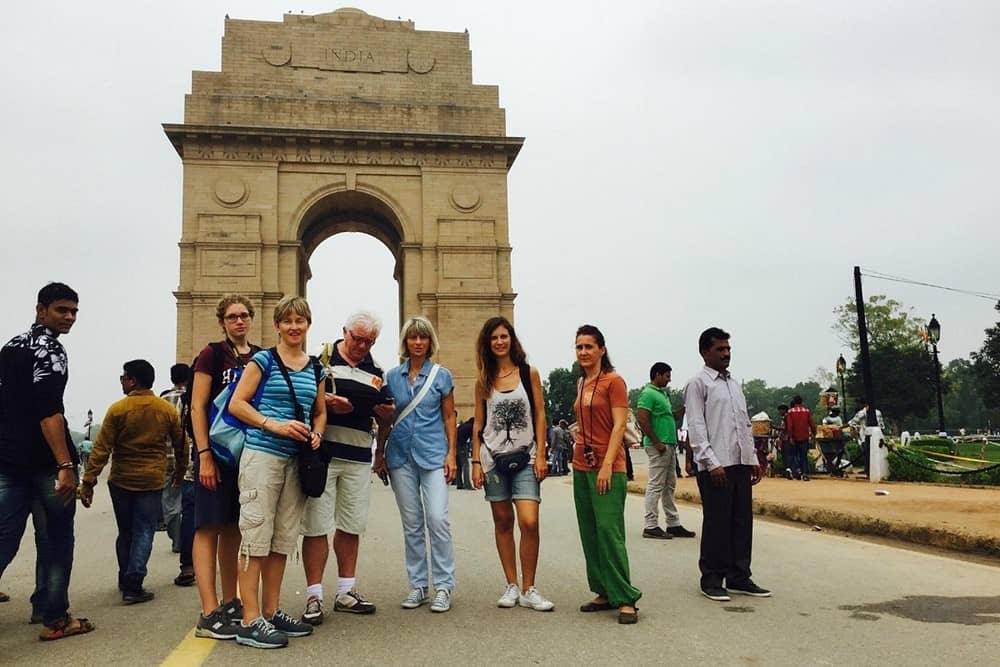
x: 292, y: 304
x: 229, y: 300
x: 418, y: 326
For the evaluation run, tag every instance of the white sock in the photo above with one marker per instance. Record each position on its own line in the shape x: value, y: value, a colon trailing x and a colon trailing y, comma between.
x: 314, y: 590
x: 344, y: 584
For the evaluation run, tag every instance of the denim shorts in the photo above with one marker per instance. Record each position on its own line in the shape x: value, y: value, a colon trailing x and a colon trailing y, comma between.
x: 521, y: 485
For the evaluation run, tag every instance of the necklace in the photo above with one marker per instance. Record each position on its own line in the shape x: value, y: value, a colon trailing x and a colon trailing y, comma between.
x: 507, y: 374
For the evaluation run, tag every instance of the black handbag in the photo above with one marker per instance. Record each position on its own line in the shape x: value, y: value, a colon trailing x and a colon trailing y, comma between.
x: 511, y: 462
x: 313, y: 464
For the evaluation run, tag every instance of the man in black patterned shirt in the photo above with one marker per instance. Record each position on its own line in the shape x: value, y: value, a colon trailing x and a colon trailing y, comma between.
x: 37, y: 462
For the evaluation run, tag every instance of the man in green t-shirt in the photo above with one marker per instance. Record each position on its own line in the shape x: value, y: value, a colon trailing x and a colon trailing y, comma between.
x: 656, y: 418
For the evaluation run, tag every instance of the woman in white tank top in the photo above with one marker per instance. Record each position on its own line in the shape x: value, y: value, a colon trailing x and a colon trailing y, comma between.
x: 508, y: 454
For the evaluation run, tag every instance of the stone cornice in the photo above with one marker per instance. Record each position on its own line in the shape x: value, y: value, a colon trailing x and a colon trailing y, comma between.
x: 269, y: 144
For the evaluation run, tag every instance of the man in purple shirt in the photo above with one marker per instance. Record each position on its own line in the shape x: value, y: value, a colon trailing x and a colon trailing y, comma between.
x: 723, y: 451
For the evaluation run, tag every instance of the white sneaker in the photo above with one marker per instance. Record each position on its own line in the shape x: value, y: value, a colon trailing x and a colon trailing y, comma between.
x: 533, y: 599
x: 442, y: 601
x: 416, y: 598
x: 509, y: 597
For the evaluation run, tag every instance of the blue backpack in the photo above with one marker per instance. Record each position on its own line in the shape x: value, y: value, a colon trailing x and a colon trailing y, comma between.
x: 226, y: 433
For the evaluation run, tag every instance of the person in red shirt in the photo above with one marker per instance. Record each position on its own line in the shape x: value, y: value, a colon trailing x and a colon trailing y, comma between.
x: 799, y: 429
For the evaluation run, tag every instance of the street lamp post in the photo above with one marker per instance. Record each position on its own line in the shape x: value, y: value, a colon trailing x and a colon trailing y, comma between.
x: 934, y: 335
x: 841, y: 368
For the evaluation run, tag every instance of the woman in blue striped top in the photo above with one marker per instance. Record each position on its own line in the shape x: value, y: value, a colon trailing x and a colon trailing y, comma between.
x: 271, y: 500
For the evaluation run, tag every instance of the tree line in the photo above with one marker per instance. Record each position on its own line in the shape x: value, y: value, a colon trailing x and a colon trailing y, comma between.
x: 903, y: 374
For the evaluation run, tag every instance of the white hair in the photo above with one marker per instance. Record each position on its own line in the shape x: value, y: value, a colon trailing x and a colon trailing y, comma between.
x: 367, y: 320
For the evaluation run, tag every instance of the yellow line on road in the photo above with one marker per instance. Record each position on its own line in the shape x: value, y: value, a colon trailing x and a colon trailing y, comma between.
x: 191, y: 652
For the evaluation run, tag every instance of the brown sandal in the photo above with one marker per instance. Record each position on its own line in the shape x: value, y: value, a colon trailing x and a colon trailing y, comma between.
x: 65, y: 628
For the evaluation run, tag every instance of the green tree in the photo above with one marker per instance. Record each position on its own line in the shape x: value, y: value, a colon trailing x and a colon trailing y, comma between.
x: 889, y: 323
x: 987, y: 365
x: 560, y: 393
x: 904, y: 383
x: 964, y: 406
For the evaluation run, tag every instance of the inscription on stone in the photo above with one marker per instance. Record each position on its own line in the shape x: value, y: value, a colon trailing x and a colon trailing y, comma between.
x: 229, y: 263
x: 348, y: 58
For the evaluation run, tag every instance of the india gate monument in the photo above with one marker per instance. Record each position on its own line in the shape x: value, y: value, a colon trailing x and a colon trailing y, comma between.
x: 345, y: 122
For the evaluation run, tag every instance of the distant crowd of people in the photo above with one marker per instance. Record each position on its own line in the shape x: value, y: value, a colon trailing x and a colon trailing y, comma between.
x: 235, y: 514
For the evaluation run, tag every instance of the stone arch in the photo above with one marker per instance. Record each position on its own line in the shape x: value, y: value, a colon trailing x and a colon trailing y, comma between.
x: 337, y: 211
x: 295, y: 141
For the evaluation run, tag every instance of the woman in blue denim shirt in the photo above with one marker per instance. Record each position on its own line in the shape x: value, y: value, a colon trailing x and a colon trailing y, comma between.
x: 420, y: 459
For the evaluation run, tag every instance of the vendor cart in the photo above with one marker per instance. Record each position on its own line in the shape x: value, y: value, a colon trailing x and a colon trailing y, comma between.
x: 831, y: 442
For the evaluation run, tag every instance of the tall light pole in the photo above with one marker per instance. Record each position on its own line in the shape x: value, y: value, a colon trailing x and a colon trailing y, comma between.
x: 934, y: 335
x: 841, y: 368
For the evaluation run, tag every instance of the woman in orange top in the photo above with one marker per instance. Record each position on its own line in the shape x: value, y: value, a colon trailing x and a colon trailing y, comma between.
x: 599, y: 482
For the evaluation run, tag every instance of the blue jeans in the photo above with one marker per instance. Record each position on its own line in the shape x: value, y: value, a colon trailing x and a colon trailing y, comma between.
x: 19, y: 494
x: 422, y: 498
x: 187, y: 523
x: 800, y: 457
x: 137, y: 514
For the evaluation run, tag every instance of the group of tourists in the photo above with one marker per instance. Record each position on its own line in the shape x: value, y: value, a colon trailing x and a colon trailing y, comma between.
x: 244, y: 517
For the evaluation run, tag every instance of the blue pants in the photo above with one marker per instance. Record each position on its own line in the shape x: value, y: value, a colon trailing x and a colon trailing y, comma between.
x: 422, y: 498
x: 19, y: 493
x: 800, y: 457
x: 187, y: 523
x: 137, y: 514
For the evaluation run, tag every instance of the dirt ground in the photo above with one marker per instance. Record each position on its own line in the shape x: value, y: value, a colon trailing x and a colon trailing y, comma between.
x: 963, y: 519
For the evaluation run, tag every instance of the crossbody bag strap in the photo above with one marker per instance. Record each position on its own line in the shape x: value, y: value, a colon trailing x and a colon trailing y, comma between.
x: 420, y: 395
x: 299, y: 413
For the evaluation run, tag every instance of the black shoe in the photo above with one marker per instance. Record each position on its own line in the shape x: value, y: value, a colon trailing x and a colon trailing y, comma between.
x: 788, y: 473
x: 656, y: 533
x: 137, y: 597
x: 749, y: 588
x: 804, y: 478
x: 717, y: 593
x: 679, y: 531
x: 184, y: 579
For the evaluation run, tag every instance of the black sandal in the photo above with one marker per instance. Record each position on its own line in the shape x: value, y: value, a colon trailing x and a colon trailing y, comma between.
x: 596, y: 606
x: 628, y: 617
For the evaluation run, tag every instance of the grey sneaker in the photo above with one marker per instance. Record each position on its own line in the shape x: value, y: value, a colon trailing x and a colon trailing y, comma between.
x: 532, y: 599
x: 289, y: 626
x: 233, y: 609
x: 417, y: 597
x: 509, y: 597
x: 353, y: 603
x: 260, y: 634
x: 216, y: 625
x: 442, y: 601
x: 313, y: 615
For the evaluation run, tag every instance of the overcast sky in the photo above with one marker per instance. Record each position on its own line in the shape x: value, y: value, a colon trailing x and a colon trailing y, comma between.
x: 686, y: 164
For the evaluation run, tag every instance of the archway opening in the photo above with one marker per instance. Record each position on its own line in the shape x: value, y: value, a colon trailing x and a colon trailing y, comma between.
x: 352, y: 260
x: 353, y: 271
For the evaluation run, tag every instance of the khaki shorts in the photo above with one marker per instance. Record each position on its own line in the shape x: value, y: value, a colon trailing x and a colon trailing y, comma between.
x: 344, y: 503
x: 271, y: 503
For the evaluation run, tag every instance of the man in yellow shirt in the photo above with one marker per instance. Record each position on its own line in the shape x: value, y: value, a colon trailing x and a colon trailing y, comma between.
x: 136, y: 431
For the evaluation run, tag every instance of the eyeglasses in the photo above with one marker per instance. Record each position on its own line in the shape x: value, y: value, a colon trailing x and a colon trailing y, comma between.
x: 361, y: 340
x: 232, y: 317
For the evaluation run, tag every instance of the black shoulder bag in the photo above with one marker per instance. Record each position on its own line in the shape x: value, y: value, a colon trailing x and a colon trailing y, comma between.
x: 312, y: 466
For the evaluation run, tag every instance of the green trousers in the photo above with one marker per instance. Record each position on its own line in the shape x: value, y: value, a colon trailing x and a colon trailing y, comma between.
x: 602, y: 533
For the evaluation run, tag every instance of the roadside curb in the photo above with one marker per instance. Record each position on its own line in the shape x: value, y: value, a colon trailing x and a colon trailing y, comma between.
x: 860, y: 524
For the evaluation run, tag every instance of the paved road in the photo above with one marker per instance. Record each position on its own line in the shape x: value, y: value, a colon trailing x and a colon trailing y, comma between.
x: 837, y: 601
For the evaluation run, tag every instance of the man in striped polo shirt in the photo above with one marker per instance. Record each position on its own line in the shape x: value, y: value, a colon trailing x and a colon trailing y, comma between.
x: 356, y: 396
